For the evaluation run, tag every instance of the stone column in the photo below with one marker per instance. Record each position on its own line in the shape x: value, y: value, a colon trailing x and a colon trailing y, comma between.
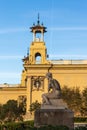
x: 34, y: 36
x: 29, y: 93
x: 42, y: 36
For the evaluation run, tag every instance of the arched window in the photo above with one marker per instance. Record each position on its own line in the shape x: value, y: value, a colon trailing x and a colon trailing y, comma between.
x: 38, y: 58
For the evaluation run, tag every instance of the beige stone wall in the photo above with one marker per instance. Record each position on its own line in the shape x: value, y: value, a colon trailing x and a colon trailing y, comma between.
x: 10, y: 94
x: 71, y: 75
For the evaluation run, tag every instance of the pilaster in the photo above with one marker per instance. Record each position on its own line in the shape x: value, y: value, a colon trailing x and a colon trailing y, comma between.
x: 29, y: 93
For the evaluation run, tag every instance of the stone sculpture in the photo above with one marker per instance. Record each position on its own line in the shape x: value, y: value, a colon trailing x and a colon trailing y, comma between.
x: 52, y: 99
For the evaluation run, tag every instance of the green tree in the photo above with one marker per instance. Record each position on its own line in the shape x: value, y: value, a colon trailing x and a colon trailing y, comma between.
x: 72, y: 97
x: 10, y: 111
x: 22, y: 104
x: 34, y: 106
x: 84, y: 104
x: 76, y: 101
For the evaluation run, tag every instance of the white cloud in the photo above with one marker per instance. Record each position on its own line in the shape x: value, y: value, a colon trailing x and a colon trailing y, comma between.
x: 11, y: 57
x: 9, y: 75
x: 68, y: 28
x: 12, y: 30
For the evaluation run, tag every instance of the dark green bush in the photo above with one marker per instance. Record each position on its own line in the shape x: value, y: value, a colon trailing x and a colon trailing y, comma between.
x: 18, y: 126
x: 29, y: 125
x: 81, y: 128
x: 80, y: 119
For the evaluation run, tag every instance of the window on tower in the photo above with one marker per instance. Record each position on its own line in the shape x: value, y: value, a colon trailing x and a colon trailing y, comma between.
x: 38, y: 58
x: 38, y: 37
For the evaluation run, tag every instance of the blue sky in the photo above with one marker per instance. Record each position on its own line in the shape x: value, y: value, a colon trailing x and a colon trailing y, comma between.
x: 66, y: 22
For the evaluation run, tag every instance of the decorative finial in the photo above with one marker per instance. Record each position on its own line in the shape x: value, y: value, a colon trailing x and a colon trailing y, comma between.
x: 38, y: 22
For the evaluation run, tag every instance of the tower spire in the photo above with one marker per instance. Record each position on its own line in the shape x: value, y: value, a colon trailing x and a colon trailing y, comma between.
x: 38, y: 21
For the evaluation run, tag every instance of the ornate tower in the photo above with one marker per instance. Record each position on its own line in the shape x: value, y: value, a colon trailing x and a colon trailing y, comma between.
x: 38, y: 51
x: 35, y: 65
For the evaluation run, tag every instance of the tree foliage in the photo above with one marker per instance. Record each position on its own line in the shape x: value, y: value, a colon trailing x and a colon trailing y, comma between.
x: 84, y: 102
x: 22, y: 104
x: 11, y: 111
x: 34, y: 106
x: 76, y: 100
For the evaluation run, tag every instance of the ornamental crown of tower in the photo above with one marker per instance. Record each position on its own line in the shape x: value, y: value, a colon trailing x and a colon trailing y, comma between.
x: 38, y: 52
x: 38, y: 29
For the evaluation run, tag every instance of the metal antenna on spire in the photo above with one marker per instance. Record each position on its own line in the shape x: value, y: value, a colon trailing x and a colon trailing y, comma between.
x: 38, y: 22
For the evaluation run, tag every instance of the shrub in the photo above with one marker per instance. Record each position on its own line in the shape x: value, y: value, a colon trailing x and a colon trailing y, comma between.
x: 28, y: 125
x: 81, y: 128
x: 18, y: 126
x: 80, y: 119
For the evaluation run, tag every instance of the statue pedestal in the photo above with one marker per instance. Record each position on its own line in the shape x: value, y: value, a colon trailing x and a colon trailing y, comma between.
x: 54, y: 117
x: 55, y: 113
